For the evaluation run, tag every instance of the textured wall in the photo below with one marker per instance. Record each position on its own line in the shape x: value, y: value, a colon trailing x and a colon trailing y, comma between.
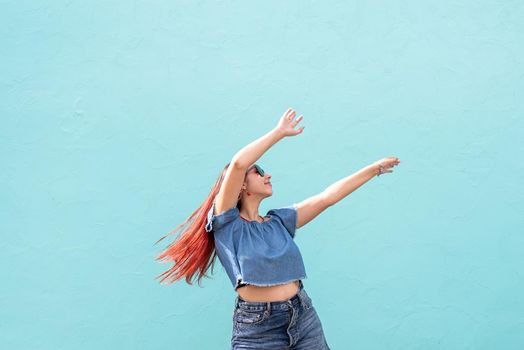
x: 117, y: 117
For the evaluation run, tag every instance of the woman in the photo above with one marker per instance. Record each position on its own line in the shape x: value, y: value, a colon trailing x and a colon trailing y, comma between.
x: 272, y: 309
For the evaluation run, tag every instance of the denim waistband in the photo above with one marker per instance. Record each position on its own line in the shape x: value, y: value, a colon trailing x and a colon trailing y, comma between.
x: 271, y: 305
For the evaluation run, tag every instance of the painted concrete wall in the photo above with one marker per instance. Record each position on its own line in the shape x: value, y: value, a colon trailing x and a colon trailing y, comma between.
x: 117, y: 117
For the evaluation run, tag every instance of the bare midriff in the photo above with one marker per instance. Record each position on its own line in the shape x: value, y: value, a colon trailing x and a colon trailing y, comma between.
x: 280, y: 292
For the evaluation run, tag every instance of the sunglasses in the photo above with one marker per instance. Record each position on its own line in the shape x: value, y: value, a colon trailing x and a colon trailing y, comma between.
x: 259, y: 169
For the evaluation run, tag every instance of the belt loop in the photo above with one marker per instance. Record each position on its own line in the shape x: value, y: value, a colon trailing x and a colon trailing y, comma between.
x: 269, y: 308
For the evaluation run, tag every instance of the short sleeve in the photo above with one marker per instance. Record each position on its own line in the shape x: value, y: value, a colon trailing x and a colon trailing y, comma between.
x: 215, y: 222
x: 288, y: 217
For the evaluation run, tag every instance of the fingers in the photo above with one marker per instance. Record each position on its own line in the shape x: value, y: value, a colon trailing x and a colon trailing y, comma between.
x: 299, y: 130
x: 289, y: 115
x: 296, y: 121
x: 393, y: 161
x: 288, y: 112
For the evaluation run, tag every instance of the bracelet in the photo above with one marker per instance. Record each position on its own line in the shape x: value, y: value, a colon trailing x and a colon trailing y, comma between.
x: 380, y: 170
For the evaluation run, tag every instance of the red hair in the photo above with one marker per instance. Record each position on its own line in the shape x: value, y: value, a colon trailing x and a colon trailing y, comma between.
x: 193, y: 251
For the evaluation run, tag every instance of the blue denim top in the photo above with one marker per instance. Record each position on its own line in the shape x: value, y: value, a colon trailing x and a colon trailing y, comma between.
x: 257, y: 253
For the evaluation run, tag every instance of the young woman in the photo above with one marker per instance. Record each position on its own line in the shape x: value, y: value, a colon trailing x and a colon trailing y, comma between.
x: 272, y: 309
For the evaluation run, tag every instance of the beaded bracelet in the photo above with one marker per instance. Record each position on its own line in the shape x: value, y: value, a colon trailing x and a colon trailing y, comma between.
x: 381, y: 170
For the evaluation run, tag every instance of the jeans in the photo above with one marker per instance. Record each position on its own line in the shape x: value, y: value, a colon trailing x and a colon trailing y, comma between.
x: 290, y: 324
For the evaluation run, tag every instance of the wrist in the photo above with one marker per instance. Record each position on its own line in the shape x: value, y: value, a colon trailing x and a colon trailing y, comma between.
x: 278, y: 133
x: 374, y: 169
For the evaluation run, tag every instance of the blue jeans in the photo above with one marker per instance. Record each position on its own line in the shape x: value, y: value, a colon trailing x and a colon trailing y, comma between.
x: 290, y: 324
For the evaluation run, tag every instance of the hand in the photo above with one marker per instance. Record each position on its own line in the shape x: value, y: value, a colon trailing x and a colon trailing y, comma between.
x: 286, y: 124
x: 386, y: 163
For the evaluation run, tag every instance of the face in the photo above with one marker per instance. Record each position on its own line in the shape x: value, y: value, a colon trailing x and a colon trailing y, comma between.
x: 258, y: 183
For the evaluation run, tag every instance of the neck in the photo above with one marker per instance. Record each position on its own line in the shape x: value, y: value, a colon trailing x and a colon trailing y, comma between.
x: 249, y: 209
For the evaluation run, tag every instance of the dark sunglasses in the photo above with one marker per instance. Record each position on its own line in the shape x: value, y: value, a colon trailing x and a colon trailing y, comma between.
x: 259, y: 169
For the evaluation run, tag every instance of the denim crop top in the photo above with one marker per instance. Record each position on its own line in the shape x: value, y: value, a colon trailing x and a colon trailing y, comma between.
x: 257, y: 253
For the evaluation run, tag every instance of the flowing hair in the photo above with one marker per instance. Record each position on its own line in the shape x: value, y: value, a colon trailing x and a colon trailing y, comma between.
x: 193, y: 251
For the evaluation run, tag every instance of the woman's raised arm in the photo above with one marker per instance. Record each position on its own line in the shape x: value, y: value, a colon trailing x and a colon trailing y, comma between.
x: 227, y: 196
x: 252, y: 152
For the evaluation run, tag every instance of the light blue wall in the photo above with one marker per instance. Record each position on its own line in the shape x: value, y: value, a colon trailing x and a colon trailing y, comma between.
x: 117, y: 117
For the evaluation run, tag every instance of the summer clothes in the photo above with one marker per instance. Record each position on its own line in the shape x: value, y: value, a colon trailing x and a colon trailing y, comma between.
x: 257, y: 253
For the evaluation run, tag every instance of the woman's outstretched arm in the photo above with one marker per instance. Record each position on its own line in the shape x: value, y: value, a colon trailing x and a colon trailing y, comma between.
x: 349, y: 184
x: 253, y: 151
x: 310, y: 208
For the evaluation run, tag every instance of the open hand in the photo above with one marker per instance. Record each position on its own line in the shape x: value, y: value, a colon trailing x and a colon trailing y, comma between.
x: 286, y: 124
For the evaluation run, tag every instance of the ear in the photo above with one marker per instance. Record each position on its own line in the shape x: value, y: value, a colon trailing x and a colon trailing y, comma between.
x: 240, y: 193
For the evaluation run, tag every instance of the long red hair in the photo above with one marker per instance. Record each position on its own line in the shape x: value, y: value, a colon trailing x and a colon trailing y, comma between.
x: 193, y: 251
